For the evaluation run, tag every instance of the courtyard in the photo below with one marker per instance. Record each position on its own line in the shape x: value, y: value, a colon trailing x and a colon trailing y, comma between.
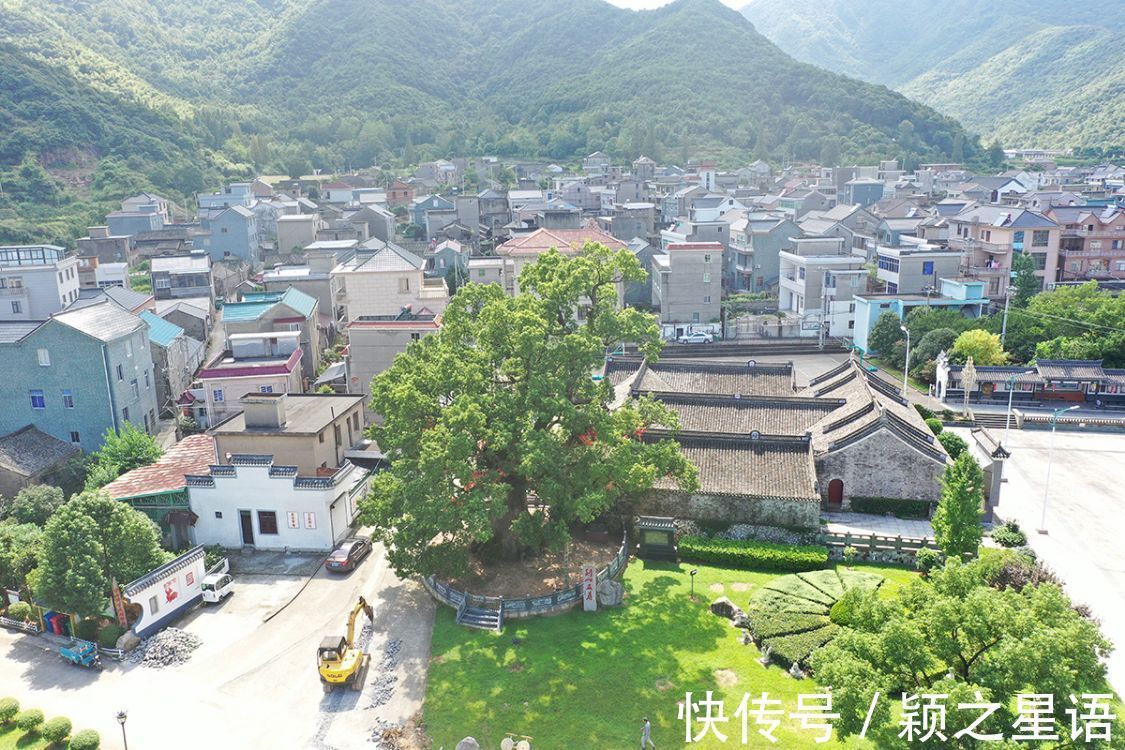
x: 587, y: 679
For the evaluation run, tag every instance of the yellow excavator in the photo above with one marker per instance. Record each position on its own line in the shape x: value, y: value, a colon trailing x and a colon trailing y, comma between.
x: 339, y: 659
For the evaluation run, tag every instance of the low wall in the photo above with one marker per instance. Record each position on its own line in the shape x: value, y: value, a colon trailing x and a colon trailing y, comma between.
x: 698, y: 506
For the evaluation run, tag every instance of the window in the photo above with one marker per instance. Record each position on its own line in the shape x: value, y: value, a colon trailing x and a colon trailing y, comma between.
x: 267, y: 522
x: 1039, y: 237
x: 888, y: 263
x: 125, y: 413
x: 1040, y: 260
x: 851, y: 324
x: 218, y: 514
x: 403, y: 286
x: 265, y: 389
x: 146, y: 423
x: 223, y: 230
x: 415, y: 336
x: 17, y: 307
x: 480, y: 273
x: 707, y: 299
x: 927, y: 268
x: 128, y: 348
x: 120, y: 373
x: 74, y: 438
x: 336, y: 430
x: 147, y: 384
x: 133, y: 386
x: 707, y: 258
x: 695, y: 317
x: 37, y: 400
x: 320, y: 437
x: 706, y: 278
x: 44, y: 357
x: 68, y: 398
x: 162, y: 283
x: 217, y: 395
x: 355, y: 420
x: 801, y: 272
x: 153, y: 605
x: 1120, y: 265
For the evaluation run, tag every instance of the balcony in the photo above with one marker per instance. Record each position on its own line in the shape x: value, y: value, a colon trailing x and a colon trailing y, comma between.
x: 984, y: 271
x: 13, y: 291
x: 1103, y: 232
x: 968, y: 243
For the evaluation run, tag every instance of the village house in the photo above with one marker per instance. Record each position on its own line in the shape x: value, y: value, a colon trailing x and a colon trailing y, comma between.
x: 988, y: 238
x: 252, y: 363
x: 1092, y: 242
x: 178, y: 276
x: 375, y: 340
x: 1048, y: 383
x: 291, y: 310
x: 687, y: 287
x: 756, y: 240
x: 30, y: 456
x: 36, y: 281
x: 520, y: 251
x: 175, y: 358
x: 819, y: 277
x: 382, y: 282
x: 111, y: 248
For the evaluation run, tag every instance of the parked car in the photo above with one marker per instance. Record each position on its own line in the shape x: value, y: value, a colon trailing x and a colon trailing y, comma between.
x: 696, y: 337
x: 348, y: 554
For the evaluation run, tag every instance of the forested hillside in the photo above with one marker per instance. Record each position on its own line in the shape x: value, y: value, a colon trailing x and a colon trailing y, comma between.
x: 1047, y: 72
x: 188, y: 90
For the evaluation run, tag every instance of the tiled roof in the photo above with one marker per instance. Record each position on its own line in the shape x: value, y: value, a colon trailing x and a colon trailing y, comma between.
x: 564, y: 240
x: 160, y: 331
x: 1070, y: 369
x: 28, y: 451
x: 696, y: 376
x: 12, y: 331
x: 241, y: 311
x: 739, y: 465
x: 187, y: 263
x: 1000, y: 374
x: 105, y: 321
x: 192, y: 455
x: 774, y: 415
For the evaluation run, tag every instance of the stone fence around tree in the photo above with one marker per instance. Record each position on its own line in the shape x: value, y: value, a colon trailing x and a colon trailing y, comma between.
x: 551, y: 603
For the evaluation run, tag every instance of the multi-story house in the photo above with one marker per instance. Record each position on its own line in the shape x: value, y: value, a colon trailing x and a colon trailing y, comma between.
x: 375, y: 340
x: 756, y: 239
x: 644, y: 168
x: 687, y: 285
x: 382, y: 282
x: 36, y: 281
x: 400, y: 194
x: 596, y: 163
x: 518, y: 252
x: 143, y: 202
x: 988, y: 236
x: 234, y: 194
x: 712, y: 207
x: 77, y: 374
x: 819, y: 277
x: 915, y: 267
x: 494, y: 212
x: 675, y: 205
x: 94, y: 273
x: 297, y: 231
x: 291, y: 310
x: 179, y: 276
x: 422, y: 204
x: 1092, y: 242
x: 631, y: 220
x: 959, y: 295
x: 232, y: 232
x: 105, y: 246
x: 175, y: 358
x: 252, y: 363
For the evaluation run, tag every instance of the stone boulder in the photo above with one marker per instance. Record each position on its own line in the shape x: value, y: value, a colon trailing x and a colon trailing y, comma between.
x: 128, y: 641
x: 739, y: 619
x: 723, y: 607
x: 468, y: 744
x: 610, y: 593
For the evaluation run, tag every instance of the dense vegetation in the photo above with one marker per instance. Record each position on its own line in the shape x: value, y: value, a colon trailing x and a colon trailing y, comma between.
x: 183, y: 91
x: 1046, y: 73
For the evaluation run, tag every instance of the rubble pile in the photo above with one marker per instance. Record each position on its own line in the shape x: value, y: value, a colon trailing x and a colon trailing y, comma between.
x: 383, y: 683
x: 167, y: 648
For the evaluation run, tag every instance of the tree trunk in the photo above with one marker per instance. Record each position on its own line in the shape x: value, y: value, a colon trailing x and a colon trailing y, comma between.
x: 504, y: 539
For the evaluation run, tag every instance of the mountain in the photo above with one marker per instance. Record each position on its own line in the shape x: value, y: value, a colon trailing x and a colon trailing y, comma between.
x: 347, y: 81
x: 1033, y: 73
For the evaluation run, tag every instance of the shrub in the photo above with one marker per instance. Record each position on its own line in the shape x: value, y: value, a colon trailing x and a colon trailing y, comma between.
x: 796, y: 648
x: 1009, y: 535
x: 849, y: 609
x: 1018, y: 572
x: 87, y: 739
x: 56, y: 730
x: 107, y: 636
x: 30, y: 720
x: 9, y: 707
x: 926, y: 560
x: 899, y: 506
x: 767, y: 624
x: 954, y: 445
x: 947, y: 414
x: 213, y: 555
x: 759, y: 555
x: 850, y: 554
x: 20, y: 611
x: 926, y: 413
x: 88, y: 629
x: 935, y: 425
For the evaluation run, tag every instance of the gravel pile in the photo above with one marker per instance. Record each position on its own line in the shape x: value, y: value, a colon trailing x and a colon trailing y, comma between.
x: 383, y: 683
x: 167, y: 648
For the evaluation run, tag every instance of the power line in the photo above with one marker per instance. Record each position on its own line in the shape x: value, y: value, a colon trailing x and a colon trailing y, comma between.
x: 1067, y: 320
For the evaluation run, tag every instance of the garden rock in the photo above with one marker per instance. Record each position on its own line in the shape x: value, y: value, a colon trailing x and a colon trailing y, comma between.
x: 610, y: 593
x: 468, y: 744
x: 167, y: 648
x: 723, y: 607
x: 128, y: 641
x: 795, y: 672
x: 739, y: 619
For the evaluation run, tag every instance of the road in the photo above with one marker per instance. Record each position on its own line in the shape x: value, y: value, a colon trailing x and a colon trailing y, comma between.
x: 252, y: 683
x: 1085, y: 519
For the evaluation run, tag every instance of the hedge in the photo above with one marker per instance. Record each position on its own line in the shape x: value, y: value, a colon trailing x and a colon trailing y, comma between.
x: 29, y: 720
x: 19, y: 611
x: 107, y: 636
x: 765, y: 624
x: 757, y: 555
x: 9, y: 707
x: 56, y: 730
x: 87, y: 739
x: 796, y: 649
x: 901, y: 507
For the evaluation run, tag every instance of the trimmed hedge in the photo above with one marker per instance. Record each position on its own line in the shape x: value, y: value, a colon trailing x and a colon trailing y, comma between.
x: 765, y: 624
x: 825, y: 581
x: 9, y: 707
x: 29, y: 720
x: 19, y: 611
x: 794, y: 586
x: 87, y: 739
x: 901, y: 507
x: 935, y: 425
x: 923, y: 411
x: 796, y: 648
x: 758, y: 555
x: 56, y: 730
x: 772, y: 600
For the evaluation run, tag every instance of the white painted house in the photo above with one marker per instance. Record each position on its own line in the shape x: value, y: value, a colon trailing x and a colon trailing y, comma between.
x: 164, y: 594
x: 253, y: 502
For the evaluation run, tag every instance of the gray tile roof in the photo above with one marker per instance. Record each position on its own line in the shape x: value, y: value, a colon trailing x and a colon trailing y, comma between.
x: 699, y: 376
x: 771, y: 415
x: 1070, y: 369
x: 12, y: 331
x: 105, y: 321
x: 28, y: 451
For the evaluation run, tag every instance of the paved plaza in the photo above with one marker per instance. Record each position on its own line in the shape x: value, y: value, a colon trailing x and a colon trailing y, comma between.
x: 865, y: 524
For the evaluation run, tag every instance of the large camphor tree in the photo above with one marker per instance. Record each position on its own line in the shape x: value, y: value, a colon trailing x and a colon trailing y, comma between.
x: 499, y: 436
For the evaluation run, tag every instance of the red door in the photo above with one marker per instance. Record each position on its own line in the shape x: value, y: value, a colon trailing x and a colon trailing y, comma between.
x: 835, y: 494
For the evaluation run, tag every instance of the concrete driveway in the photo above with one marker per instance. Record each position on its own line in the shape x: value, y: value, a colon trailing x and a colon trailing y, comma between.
x: 251, y: 683
x: 1085, y: 518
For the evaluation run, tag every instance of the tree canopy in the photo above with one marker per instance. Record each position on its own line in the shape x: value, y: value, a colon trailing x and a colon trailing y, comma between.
x: 982, y: 346
x: 33, y: 504
x: 885, y: 334
x: 956, y: 521
x: 121, y: 451
x: 498, y: 411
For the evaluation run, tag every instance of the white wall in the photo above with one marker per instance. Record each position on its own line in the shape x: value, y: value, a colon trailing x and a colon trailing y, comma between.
x: 322, y: 515
x: 168, y: 592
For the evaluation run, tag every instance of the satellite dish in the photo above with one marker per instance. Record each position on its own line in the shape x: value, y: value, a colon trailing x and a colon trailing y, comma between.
x: 507, y: 743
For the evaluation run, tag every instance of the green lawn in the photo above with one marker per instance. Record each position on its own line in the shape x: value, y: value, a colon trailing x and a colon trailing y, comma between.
x: 585, y: 680
x: 11, y: 738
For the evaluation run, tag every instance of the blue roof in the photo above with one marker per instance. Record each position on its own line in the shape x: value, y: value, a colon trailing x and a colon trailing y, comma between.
x: 239, y: 311
x: 255, y: 304
x: 160, y: 331
x: 299, y: 301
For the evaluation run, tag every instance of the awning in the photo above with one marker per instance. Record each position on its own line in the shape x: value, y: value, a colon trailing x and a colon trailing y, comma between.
x: 334, y: 371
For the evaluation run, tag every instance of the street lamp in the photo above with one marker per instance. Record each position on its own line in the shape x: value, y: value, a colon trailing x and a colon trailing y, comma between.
x: 1050, y: 455
x: 1008, y: 419
x: 121, y: 717
x: 1007, y: 299
x: 906, y: 369
x: 692, y: 574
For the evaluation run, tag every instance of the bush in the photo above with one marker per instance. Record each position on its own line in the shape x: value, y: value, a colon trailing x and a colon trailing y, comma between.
x: 935, y: 425
x: 767, y: 624
x: 213, y: 555
x: 20, y: 611
x: 759, y: 555
x: 30, y: 720
x: 849, y: 609
x: 9, y: 707
x: 795, y: 649
x: 1009, y: 535
x: 107, y: 636
x: 849, y: 554
x: 926, y: 560
x: 87, y: 739
x: 901, y: 507
x: 56, y: 730
x: 926, y: 413
x: 947, y: 414
x: 954, y: 445
x: 88, y: 629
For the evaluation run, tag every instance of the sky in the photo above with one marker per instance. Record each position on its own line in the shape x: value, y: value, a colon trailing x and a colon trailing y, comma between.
x: 646, y: 4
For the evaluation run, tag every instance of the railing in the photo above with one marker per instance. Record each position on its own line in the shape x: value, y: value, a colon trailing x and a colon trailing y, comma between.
x: 971, y: 243
x: 27, y: 627
x: 13, y: 291
x: 877, y: 543
x: 526, y: 605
